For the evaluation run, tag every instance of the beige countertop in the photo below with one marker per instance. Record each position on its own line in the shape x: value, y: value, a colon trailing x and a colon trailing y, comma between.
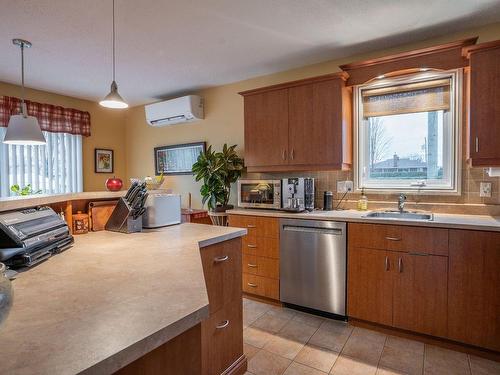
x: 15, y: 203
x: 476, y: 222
x: 108, y: 300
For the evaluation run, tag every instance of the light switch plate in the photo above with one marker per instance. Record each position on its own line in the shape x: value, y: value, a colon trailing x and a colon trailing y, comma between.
x: 343, y: 186
x: 485, y: 189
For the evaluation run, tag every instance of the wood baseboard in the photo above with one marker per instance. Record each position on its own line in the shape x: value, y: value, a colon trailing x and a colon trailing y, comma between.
x: 441, y: 342
x: 269, y: 301
x: 239, y: 367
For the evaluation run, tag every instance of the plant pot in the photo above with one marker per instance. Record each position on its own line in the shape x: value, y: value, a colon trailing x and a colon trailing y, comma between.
x: 223, y: 208
x: 5, y: 294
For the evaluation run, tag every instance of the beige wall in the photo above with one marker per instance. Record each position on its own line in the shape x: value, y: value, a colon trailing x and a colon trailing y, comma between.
x: 224, y: 118
x: 107, y: 129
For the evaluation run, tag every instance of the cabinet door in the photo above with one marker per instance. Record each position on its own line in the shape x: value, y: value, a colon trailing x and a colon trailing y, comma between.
x: 315, y: 123
x: 473, y: 295
x: 420, y: 294
x: 266, y: 128
x: 369, y: 285
x: 484, y: 108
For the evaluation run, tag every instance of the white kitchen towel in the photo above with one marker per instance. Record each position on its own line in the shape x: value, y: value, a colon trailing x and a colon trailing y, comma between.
x: 493, y: 172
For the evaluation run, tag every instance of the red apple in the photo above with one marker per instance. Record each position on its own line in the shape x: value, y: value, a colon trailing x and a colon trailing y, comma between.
x: 114, y: 184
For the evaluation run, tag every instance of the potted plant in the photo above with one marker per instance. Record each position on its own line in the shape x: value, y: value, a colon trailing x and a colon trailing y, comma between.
x: 218, y: 170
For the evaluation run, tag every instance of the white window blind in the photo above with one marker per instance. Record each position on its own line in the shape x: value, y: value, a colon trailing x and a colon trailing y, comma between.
x: 53, y: 168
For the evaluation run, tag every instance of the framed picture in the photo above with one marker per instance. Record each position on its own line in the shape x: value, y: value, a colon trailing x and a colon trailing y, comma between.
x: 177, y: 159
x: 103, y: 160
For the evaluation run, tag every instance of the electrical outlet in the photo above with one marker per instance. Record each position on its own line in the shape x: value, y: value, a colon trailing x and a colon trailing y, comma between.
x: 485, y: 189
x: 344, y: 186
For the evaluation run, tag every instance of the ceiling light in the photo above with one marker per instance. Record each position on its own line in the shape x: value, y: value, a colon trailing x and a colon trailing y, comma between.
x: 23, y: 129
x: 113, y: 99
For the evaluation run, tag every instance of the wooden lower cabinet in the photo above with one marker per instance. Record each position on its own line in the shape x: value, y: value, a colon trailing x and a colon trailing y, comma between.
x: 369, y: 280
x: 222, y: 332
x: 261, y: 250
x: 473, y: 291
x: 420, y: 299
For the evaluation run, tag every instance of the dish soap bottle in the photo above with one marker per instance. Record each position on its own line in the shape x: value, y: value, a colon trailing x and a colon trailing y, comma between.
x: 363, y: 201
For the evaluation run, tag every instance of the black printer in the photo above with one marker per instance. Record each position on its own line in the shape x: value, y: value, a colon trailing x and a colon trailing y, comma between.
x: 29, y: 236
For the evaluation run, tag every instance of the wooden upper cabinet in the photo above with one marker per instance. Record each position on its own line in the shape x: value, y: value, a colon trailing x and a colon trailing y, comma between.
x: 484, y: 99
x: 266, y: 128
x: 473, y: 295
x: 311, y: 131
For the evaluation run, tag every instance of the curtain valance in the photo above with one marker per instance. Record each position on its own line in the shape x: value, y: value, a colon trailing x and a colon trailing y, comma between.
x: 55, y: 119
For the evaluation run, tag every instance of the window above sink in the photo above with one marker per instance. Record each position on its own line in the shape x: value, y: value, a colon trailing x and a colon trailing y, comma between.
x: 407, y: 135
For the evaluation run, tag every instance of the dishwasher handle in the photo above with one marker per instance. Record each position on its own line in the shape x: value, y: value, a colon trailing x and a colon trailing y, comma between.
x: 304, y: 229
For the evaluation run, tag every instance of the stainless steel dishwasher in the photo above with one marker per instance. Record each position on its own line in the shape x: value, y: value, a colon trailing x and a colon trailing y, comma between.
x: 313, y: 262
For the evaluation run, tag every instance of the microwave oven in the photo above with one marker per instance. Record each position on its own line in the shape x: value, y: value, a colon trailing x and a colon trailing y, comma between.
x: 259, y: 194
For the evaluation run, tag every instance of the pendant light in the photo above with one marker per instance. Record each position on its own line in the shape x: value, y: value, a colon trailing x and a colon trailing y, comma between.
x: 113, y: 99
x: 23, y: 129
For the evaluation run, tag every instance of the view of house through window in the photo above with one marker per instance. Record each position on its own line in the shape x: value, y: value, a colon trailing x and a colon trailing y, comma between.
x: 406, y: 135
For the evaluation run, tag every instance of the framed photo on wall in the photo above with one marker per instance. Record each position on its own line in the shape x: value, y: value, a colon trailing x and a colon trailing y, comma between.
x: 177, y: 159
x: 104, y: 161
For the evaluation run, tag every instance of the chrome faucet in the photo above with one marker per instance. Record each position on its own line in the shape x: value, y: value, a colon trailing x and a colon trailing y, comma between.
x: 401, y: 202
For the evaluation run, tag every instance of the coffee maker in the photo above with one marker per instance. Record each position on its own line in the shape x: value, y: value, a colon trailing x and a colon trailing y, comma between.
x: 297, y: 194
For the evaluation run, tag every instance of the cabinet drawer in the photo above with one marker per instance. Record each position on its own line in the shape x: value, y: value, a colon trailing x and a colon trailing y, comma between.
x: 267, y: 227
x: 222, y: 338
x: 260, y: 246
x: 261, y: 266
x: 261, y: 286
x: 222, y: 270
x: 399, y: 238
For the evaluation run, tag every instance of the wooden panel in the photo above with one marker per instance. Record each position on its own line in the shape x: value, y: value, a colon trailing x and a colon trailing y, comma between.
x: 399, y: 238
x: 244, y: 221
x: 261, y: 266
x: 484, y: 120
x: 420, y: 294
x: 473, y: 296
x: 369, y: 285
x: 171, y: 358
x: 444, y: 57
x: 222, y: 338
x: 266, y: 128
x: 223, y: 277
x: 303, y: 132
x: 261, y: 286
x: 195, y: 216
x: 268, y: 227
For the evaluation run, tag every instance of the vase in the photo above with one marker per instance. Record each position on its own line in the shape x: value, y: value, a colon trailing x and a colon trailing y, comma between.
x: 5, y: 294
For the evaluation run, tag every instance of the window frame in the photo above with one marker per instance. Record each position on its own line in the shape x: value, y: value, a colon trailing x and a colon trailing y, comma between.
x: 456, y: 98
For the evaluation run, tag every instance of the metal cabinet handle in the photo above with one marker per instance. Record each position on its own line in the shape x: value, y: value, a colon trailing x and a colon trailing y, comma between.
x: 283, y: 154
x: 252, y: 265
x: 400, y: 264
x: 387, y: 263
x: 250, y: 226
x: 477, y: 144
x: 222, y: 325
x: 221, y: 259
x: 252, y: 285
x: 252, y: 246
x: 292, y: 154
x: 393, y: 238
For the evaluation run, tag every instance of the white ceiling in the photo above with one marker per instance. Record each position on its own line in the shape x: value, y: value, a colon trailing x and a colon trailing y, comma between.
x: 171, y: 47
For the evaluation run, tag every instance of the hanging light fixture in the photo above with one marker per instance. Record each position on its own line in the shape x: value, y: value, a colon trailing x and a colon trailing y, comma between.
x: 113, y: 99
x: 23, y: 129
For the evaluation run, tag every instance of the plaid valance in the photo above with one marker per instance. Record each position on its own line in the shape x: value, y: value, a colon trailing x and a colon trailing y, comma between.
x: 51, y: 118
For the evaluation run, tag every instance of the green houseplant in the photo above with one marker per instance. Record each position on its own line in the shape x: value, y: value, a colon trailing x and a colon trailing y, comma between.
x: 217, y: 170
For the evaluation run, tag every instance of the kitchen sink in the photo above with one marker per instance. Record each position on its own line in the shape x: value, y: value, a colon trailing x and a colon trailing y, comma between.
x: 405, y: 215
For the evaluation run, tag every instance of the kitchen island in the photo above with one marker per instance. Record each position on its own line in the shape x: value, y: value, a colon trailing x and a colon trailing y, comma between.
x: 109, y: 300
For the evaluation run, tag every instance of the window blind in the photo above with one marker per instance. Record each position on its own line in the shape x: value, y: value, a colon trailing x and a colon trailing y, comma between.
x: 53, y: 168
x: 407, y: 98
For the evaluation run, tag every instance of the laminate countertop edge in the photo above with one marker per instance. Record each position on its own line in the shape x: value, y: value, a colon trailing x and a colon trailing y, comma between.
x: 450, y: 221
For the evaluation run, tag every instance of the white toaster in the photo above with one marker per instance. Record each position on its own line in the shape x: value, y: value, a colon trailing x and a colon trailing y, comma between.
x: 162, y: 209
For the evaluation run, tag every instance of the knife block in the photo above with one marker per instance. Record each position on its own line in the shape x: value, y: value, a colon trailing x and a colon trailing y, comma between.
x: 121, y: 219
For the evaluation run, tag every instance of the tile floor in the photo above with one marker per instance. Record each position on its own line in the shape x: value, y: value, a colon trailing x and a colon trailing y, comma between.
x: 282, y: 341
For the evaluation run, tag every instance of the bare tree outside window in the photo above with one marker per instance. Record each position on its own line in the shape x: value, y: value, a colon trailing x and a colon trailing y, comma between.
x: 379, y: 140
